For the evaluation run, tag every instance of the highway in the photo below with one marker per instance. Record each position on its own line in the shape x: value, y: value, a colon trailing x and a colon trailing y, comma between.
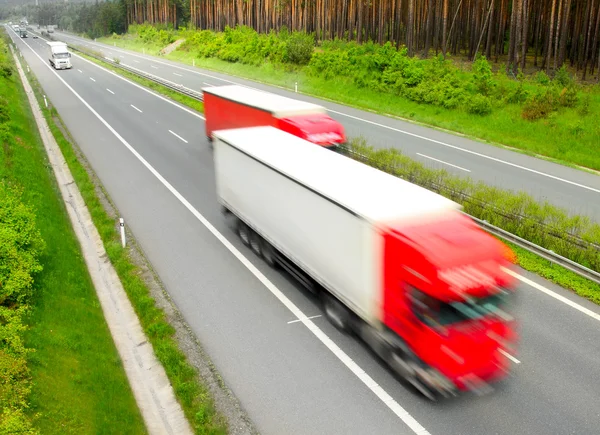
x: 152, y: 157
x: 573, y: 189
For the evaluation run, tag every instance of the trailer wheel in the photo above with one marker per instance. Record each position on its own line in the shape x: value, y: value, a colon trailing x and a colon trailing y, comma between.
x: 243, y: 232
x: 256, y: 243
x: 268, y: 253
x: 337, y: 314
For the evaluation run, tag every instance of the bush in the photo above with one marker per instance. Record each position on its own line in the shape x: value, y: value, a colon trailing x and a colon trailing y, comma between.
x: 540, y: 105
x: 479, y: 105
x: 540, y: 223
x: 20, y: 246
x: 483, y: 76
x: 299, y: 48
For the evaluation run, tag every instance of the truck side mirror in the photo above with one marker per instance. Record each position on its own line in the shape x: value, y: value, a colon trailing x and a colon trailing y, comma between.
x: 69, y: 54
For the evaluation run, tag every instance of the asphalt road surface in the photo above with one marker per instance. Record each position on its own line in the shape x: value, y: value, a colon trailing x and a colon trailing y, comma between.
x: 152, y: 157
x: 575, y: 190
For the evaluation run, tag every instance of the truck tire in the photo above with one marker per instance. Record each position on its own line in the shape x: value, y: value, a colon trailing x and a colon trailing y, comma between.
x: 256, y: 243
x: 337, y: 314
x: 244, y: 232
x: 268, y: 254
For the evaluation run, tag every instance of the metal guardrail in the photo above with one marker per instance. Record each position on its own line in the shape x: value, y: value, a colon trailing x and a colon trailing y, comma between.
x: 542, y: 252
x: 499, y: 232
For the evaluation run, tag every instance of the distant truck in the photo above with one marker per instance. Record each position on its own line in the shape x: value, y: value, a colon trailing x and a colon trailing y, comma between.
x: 58, y: 55
x: 394, y: 263
x: 234, y: 106
x: 22, y: 32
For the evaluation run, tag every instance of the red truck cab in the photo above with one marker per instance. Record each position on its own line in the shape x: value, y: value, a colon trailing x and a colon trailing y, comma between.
x: 233, y: 106
x: 447, y: 297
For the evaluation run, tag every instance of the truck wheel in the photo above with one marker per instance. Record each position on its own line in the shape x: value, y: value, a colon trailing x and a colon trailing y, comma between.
x: 256, y: 243
x: 243, y: 232
x: 336, y: 312
x: 268, y: 253
x: 407, y: 369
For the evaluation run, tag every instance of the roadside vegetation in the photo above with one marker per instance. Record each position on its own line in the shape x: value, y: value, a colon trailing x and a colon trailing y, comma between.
x: 59, y: 369
x: 191, y: 393
x: 553, y: 117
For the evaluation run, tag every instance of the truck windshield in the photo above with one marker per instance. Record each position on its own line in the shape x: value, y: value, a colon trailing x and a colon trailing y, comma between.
x: 434, y: 312
x: 61, y: 55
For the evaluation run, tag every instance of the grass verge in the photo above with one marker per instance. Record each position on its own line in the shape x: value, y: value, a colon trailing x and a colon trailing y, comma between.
x: 191, y: 393
x: 525, y: 259
x: 78, y: 382
x: 568, y: 135
x: 556, y: 274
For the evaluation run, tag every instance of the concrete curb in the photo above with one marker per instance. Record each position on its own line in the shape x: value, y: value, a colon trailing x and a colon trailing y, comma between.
x: 153, y: 392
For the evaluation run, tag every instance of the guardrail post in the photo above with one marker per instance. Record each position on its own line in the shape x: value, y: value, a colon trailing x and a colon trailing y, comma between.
x: 45, y: 102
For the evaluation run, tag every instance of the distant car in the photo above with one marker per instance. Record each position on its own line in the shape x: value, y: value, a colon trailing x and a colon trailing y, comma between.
x: 35, y: 36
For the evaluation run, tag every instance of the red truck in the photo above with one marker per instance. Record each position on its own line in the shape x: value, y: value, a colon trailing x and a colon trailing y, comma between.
x: 398, y: 265
x: 234, y: 106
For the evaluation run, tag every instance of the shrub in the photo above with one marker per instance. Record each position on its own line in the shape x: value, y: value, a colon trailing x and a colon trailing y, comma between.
x: 562, y: 78
x: 483, y: 76
x: 20, y: 246
x: 299, y: 48
x: 6, y: 70
x: 4, y: 113
x: 540, y: 105
x: 479, y: 105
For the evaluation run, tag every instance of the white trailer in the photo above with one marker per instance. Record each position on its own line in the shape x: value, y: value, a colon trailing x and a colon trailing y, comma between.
x: 322, y: 211
x: 59, y: 55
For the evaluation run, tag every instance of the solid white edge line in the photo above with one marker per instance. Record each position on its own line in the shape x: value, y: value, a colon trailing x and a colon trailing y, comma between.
x: 394, y: 406
x: 177, y: 136
x: 185, y: 109
x: 298, y: 320
x: 583, y: 186
x: 556, y: 296
x: 136, y: 108
x: 445, y: 163
x: 110, y: 91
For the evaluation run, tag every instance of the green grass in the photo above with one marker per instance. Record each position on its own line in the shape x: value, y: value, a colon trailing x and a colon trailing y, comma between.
x: 79, y: 385
x: 191, y: 393
x: 556, y: 274
x: 566, y: 136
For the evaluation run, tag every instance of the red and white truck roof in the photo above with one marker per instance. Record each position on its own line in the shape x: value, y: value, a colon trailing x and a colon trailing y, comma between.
x: 277, y: 105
